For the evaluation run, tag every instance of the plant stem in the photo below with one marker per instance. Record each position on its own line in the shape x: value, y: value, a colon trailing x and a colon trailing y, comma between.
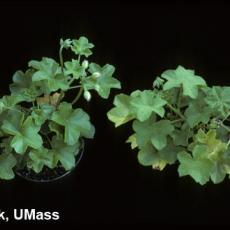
x: 62, y: 70
x: 79, y: 58
x: 71, y: 81
x: 48, y: 139
x: 226, y: 116
x: 22, y: 160
x: 179, y: 98
x: 61, y: 59
x: 225, y: 127
x: 78, y: 96
x: 228, y: 142
x: 176, y: 111
x: 177, y: 120
x: 59, y: 98
x: 33, y: 104
x: 74, y: 87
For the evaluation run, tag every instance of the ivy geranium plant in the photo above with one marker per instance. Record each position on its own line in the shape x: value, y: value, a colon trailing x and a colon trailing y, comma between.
x: 180, y: 120
x: 39, y: 126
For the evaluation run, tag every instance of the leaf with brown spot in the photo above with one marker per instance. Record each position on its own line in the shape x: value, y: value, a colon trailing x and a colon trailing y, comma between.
x: 48, y: 99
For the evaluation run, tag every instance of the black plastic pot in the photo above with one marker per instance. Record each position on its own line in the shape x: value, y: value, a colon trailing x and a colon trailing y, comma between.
x: 47, y: 174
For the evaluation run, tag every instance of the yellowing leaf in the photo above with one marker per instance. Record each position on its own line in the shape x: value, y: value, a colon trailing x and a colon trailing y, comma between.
x: 48, y: 99
x: 122, y: 112
x: 159, y: 165
x: 133, y: 141
x: 214, y: 145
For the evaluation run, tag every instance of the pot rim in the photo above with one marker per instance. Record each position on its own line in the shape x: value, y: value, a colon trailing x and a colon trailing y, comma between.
x: 78, y: 158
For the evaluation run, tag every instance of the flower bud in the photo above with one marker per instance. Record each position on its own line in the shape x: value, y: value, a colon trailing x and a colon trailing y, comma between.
x: 87, y: 95
x: 85, y: 64
x: 96, y: 74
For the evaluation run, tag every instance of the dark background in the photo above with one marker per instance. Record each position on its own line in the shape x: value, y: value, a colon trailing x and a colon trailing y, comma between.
x: 140, y: 40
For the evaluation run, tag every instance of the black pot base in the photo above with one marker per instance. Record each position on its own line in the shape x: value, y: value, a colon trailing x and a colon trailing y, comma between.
x: 47, y: 174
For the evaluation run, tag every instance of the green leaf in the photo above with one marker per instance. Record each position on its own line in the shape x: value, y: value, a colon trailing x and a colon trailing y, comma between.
x: 47, y: 68
x: 103, y: 81
x: 181, y: 136
x: 222, y: 134
x: 48, y: 75
x: 197, y: 167
x: 146, y: 103
x: 75, y: 121
x: 155, y: 132
x: 65, y: 153
x: 185, y: 78
x: 10, y: 102
x: 122, y: 112
x: 214, y: 145
x: 132, y: 140
x: 82, y: 46
x: 41, y: 157
x: 42, y: 114
x: 51, y: 85
x: 158, y: 82
x: 192, y: 128
x: 23, y: 85
x: 218, y: 172
x: 148, y: 155
x: 65, y: 43
x: 197, y: 112
x: 218, y: 98
x: 5, y: 145
x: 74, y: 68
x: 7, y: 162
x: 208, y: 158
x: 56, y: 128
x: 169, y: 152
x: 24, y: 132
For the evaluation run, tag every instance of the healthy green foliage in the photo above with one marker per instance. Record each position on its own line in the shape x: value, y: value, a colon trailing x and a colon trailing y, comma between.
x: 65, y: 153
x: 48, y: 75
x: 146, y: 103
x: 24, y: 132
x: 152, y: 131
x: 181, y: 120
x: 82, y: 46
x: 76, y: 123
x: 218, y: 98
x: 101, y: 79
x: 185, y: 78
x: 40, y: 158
x: 38, y: 126
x: 7, y: 162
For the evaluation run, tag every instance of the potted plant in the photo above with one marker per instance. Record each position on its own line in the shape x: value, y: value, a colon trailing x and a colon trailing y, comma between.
x: 180, y: 120
x: 41, y: 131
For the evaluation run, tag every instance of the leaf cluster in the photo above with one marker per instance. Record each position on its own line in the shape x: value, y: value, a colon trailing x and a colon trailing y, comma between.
x: 180, y: 120
x: 38, y: 126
